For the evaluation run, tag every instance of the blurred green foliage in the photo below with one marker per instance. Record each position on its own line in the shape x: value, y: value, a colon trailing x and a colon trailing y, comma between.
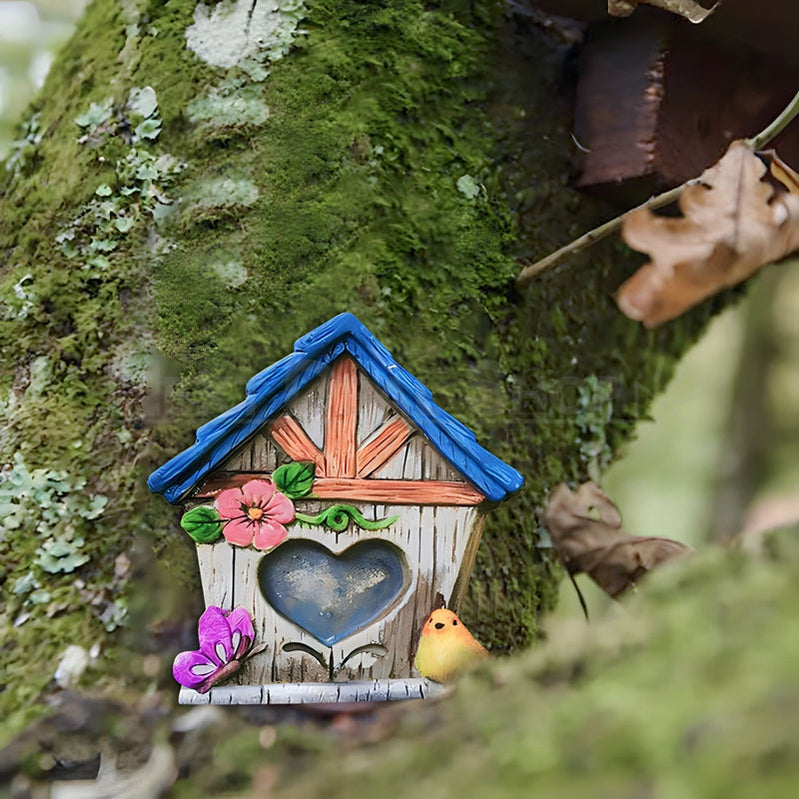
x: 687, y: 689
x: 664, y: 481
x: 31, y: 31
x: 668, y: 480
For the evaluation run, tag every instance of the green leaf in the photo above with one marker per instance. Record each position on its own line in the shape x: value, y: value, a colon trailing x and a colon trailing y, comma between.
x: 124, y: 436
x: 254, y: 69
x: 147, y: 172
x: 162, y: 211
x: 61, y: 555
x: 69, y: 249
x: 97, y: 262
x: 202, y: 524
x: 103, y: 245
x: 26, y: 584
x: 104, y: 191
x: 148, y: 129
x: 124, y: 223
x: 143, y: 101
x: 40, y: 597
x: 96, y: 506
x: 295, y: 480
x: 107, y: 208
x: 96, y: 115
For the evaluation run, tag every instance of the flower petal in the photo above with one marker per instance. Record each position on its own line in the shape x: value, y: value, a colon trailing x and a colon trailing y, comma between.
x: 214, y: 631
x: 204, y: 669
x: 269, y: 534
x: 229, y: 502
x: 280, y: 508
x: 239, y: 532
x: 257, y: 493
x: 241, y: 631
x: 240, y: 621
x: 187, y: 665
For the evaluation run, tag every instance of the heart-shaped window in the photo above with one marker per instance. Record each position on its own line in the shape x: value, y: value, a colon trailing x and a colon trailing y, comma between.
x: 332, y: 596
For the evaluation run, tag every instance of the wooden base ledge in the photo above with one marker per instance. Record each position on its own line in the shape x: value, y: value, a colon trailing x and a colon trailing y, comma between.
x: 304, y: 693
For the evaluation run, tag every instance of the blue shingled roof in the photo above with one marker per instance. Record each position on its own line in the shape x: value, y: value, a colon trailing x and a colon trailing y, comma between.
x: 270, y: 390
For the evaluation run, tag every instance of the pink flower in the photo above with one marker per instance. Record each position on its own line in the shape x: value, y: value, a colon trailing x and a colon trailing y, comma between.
x: 257, y: 514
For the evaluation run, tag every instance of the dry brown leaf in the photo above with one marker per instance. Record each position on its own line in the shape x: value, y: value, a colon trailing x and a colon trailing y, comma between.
x: 733, y: 223
x: 781, y: 171
x: 689, y: 9
x: 585, y: 527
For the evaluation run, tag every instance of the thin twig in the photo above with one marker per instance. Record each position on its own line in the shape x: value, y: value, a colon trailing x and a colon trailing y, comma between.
x: 529, y: 273
x: 580, y: 596
x: 777, y: 126
x: 587, y: 239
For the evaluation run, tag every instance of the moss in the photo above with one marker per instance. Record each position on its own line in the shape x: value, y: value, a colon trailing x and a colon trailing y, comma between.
x: 374, y: 122
x: 84, y: 414
x: 354, y: 201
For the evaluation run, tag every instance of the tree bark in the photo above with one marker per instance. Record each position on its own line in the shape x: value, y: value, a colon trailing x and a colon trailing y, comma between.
x: 390, y: 159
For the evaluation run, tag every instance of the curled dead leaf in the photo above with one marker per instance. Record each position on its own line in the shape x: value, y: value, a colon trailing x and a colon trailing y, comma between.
x: 781, y: 171
x: 733, y: 223
x: 689, y: 9
x: 585, y: 527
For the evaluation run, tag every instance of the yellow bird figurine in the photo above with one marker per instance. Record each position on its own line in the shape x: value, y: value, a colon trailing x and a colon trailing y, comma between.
x: 446, y: 647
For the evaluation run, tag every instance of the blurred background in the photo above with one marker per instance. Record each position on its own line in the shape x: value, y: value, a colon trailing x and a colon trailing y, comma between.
x: 30, y: 33
x: 721, y: 452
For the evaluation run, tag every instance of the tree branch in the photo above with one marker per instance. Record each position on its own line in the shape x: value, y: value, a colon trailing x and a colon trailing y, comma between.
x: 587, y: 239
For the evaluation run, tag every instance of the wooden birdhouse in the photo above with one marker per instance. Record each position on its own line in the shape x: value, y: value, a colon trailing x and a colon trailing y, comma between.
x: 330, y: 509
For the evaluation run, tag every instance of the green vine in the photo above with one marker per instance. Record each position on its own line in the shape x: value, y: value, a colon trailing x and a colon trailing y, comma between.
x: 338, y: 518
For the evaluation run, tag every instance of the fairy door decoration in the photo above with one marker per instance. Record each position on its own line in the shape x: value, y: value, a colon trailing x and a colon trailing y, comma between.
x: 329, y: 508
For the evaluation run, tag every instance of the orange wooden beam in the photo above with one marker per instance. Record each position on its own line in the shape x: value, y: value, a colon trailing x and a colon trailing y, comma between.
x: 385, y: 492
x: 398, y: 492
x: 295, y: 442
x: 224, y: 480
x: 342, y: 419
x: 379, y: 451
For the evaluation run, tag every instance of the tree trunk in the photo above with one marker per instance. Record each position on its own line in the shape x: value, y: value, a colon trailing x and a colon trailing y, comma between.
x: 749, y: 437
x: 390, y: 159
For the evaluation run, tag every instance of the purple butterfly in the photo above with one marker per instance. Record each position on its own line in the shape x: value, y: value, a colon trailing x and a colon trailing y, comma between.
x: 226, y: 638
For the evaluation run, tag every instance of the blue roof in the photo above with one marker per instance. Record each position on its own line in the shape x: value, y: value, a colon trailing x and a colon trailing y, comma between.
x: 270, y: 390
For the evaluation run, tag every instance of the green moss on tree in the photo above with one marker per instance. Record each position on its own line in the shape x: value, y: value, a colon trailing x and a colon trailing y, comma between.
x: 410, y: 153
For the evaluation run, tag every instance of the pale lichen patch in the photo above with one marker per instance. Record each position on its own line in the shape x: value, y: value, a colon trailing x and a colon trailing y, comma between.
x: 229, y: 32
x: 131, y: 361
x: 128, y: 57
x: 223, y: 192
x: 230, y: 269
x: 220, y: 109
